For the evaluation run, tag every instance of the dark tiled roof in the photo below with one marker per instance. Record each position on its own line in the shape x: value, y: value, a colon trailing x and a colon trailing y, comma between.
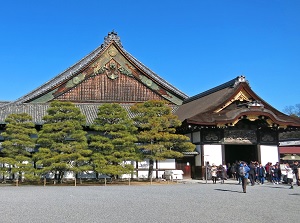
x: 229, y: 84
x: 4, y: 102
x: 39, y: 110
x: 202, y: 104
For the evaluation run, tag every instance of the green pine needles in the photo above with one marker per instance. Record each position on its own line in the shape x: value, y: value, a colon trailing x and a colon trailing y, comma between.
x: 157, y: 135
x: 113, y: 144
x: 62, y: 140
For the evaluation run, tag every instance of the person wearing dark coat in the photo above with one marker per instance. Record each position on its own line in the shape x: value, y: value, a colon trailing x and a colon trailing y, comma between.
x: 237, y: 175
x: 275, y: 174
x: 221, y: 173
x: 252, y: 173
x: 261, y: 173
x: 268, y: 167
x: 296, y: 171
x: 279, y: 171
x: 233, y: 171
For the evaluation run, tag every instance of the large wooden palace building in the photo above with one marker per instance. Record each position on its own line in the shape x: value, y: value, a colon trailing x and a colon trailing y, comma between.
x: 227, y: 123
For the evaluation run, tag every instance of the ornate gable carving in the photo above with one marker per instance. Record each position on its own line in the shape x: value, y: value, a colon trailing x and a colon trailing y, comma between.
x: 104, y: 88
x: 111, y: 77
x: 240, y: 96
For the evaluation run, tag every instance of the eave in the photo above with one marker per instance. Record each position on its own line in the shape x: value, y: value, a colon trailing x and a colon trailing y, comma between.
x: 219, y: 114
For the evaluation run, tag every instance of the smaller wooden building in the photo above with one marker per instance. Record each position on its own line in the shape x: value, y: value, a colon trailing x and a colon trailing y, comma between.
x: 231, y: 122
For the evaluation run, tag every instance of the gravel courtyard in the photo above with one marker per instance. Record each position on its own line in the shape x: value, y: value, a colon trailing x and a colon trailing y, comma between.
x: 190, y: 202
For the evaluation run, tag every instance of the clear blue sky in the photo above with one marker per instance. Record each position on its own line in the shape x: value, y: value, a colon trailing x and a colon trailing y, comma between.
x: 194, y: 45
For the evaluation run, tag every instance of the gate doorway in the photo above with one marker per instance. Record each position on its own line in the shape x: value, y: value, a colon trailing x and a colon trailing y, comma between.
x: 245, y: 153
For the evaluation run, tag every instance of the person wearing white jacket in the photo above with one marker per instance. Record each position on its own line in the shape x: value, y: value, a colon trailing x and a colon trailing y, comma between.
x: 290, y: 175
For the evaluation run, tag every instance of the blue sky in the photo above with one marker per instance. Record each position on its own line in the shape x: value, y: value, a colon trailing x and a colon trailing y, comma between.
x: 194, y: 45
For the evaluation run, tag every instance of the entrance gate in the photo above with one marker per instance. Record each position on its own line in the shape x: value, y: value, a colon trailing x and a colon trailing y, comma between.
x: 245, y: 153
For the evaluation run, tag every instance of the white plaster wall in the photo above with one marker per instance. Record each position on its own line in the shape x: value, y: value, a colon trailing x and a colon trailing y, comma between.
x: 143, y: 167
x: 213, y: 154
x: 269, y: 154
x: 144, y: 174
x: 166, y: 164
x: 69, y: 175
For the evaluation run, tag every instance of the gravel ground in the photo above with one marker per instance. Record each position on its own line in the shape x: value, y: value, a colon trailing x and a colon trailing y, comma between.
x: 189, y: 202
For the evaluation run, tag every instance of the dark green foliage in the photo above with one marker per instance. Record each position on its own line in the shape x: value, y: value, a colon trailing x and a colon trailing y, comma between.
x: 62, y: 140
x: 113, y: 144
x: 18, y: 145
x: 157, y: 135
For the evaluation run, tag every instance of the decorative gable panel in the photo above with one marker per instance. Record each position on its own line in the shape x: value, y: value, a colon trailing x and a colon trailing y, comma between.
x: 104, y: 88
x: 110, y: 77
x: 242, y: 95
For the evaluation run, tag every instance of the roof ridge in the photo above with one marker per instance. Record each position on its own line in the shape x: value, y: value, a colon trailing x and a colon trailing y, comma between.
x: 81, y: 64
x: 232, y: 83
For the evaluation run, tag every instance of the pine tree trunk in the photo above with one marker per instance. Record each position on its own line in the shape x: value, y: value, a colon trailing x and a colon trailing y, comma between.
x: 150, y: 173
x: 60, y: 176
x: 20, y: 177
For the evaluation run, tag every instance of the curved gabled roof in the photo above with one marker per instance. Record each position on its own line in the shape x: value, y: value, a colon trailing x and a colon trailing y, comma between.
x: 139, y: 79
x: 206, y: 101
x: 227, y: 103
x: 111, y: 38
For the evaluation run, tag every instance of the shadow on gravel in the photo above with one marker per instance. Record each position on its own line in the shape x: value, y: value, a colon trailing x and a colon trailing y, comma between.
x: 224, y: 190
x: 274, y: 187
x: 297, y: 194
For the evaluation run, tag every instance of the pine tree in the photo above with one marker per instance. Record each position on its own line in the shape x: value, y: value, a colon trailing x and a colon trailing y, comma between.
x: 113, y: 144
x: 62, y: 141
x: 18, y: 146
x: 157, y: 136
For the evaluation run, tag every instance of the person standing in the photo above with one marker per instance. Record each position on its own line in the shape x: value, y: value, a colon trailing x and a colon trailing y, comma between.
x: 261, y: 172
x: 214, y: 170
x: 268, y: 168
x: 208, y: 171
x: 221, y: 173
x: 296, y: 172
x: 233, y: 171
x: 237, y: 175
x: 252, y: 173
x: 279, y: 172
x: 289, y: 173
x: 244, y: 174
x: 275, y: 174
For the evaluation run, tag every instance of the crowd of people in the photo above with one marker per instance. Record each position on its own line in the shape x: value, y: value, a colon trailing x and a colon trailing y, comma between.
x: 256, y: 173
